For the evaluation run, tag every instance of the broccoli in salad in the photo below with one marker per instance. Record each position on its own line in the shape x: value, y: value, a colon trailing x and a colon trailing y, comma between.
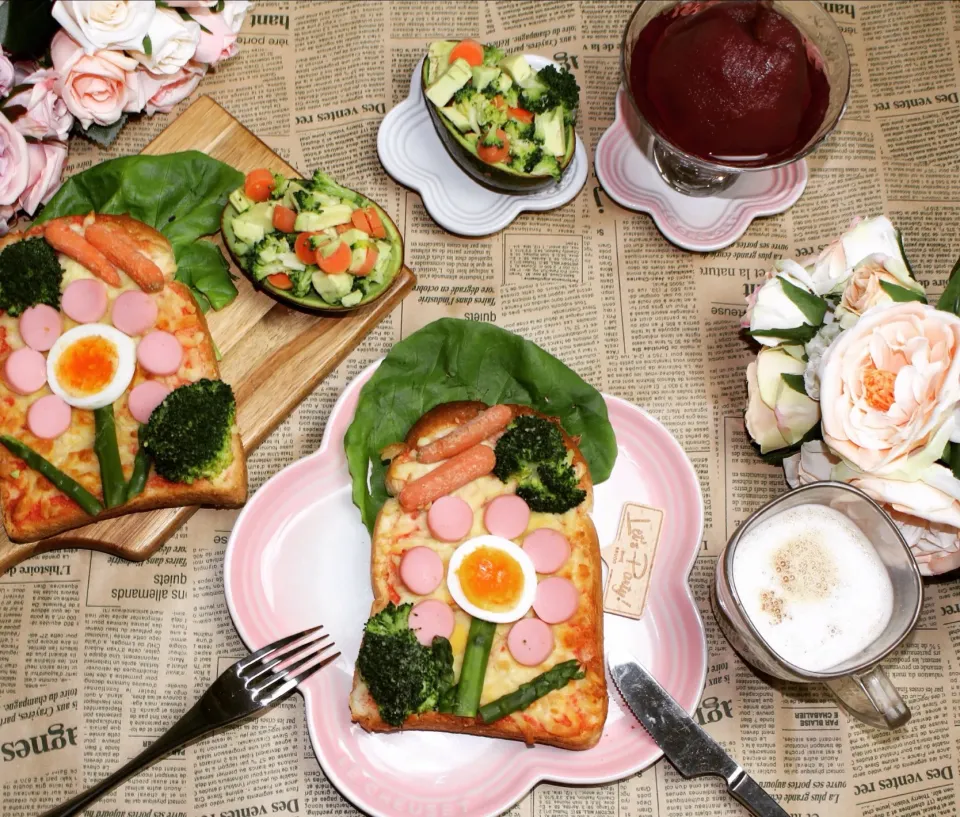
x: 311, y: 238
x: 500, y: 109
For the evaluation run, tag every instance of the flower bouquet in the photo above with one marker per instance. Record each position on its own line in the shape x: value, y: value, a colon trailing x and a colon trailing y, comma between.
x: 82, y: 66
x: 858, y: 380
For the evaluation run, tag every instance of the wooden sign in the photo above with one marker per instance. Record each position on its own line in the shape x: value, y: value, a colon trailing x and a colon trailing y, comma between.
x: 630, y: 560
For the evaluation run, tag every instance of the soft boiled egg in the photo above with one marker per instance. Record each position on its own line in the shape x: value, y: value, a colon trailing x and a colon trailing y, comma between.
x: 91, y: 365
x: 492, y: 579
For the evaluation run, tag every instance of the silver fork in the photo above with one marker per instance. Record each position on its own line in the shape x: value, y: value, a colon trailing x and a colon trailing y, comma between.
x: 250, y: 687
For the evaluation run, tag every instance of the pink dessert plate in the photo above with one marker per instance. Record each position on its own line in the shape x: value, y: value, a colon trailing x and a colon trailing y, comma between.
x: 299, y: 555
x: 629, y: 177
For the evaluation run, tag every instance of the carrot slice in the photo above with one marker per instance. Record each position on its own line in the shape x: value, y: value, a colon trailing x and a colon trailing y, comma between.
x: 377, y: 230
x: 492, y: 154
x: 280, y: 280
x: 368, y: 263
x: 469, y: 50
x: 304, y: 250
x: 521, y: 115
x: 342, y: 228
x: 337, y: 261
x: 259, y: 184
x: 360, y: 221
x: 499, y: 102
x: 284, y: 218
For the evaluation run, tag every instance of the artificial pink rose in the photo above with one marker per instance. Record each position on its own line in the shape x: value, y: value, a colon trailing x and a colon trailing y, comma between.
x: 219, y: 44
x: 13, y: 162
x: 96, y: 87
x: 7, y: 75
x: 889, y: 387
x: 191, y: 4
x: 163, y: 91
x: 45, y: 169
x: 46, y: 115
x: 6, y: 214
x: 23, y: 69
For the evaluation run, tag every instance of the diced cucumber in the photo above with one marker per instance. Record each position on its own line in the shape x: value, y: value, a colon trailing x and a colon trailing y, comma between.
x: 357, y: 259
x: 332, y: 287
x: 247, y: 231
x: 351, y: 298
x: 255, y: 222
x: 328, y: 249
x: 351, y: 237
x: 328, y: 217
x: 240, y: 200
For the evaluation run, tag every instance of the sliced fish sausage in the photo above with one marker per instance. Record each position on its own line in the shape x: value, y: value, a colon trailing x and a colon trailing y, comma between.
x: 557, y: 599
x: 450, y: 519
x: 507, y: 516
x: 85, y: 300
x: 134, y: 313
x: 48, y: 417
x: 160, y: 353
x: 431, y: 618
x: 25, y: 371
x: 40, y: 326
x: 474, y: 431
x: 530, y: 641
x: 548, y: 549
x: 421, y: 570
x: 144, y: 398
x: 447, y: 477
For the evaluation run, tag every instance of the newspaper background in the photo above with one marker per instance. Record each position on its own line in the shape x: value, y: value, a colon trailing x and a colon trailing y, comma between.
x: 98, y: 656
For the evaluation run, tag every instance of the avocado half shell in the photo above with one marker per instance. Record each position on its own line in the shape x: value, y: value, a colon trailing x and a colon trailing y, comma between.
x: 312, y: 302
x: 498, y: 177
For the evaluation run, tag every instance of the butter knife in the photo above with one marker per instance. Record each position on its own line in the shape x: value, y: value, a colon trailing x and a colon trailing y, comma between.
x: 692, y: 751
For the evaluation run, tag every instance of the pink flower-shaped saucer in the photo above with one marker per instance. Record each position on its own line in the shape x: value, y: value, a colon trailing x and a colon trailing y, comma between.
x: 629, y: 177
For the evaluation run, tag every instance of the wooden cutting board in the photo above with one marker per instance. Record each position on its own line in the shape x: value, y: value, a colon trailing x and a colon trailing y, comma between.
x: 273, y: 356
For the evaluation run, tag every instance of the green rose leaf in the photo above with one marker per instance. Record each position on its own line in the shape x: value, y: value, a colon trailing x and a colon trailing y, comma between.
x: 950, y: 299
x: 794, y: 381
x: 812, y: 306
x: 901, y: 294
x: 795, y: 334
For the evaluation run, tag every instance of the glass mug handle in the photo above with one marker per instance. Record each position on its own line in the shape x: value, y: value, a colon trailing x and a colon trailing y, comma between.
x: 871, y: 697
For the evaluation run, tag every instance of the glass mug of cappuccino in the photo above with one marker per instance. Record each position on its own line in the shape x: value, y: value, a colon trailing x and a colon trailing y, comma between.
x: 818, y: 586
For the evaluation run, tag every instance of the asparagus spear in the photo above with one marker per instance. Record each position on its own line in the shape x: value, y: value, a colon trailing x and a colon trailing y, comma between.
x: 474, y: 667
x: 556, y: 677
x: 105, y: 445
x: 141, y: 467
x: 69, y: 486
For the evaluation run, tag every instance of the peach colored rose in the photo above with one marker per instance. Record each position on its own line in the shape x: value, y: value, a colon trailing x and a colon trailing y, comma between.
x: 13, y: 162
x: 95, y: 87
x: 163, y: 91
x: 217, y: 45
x: 46, y: 115
x: 173, y: 43
x: 889, y: 387
x: 46, y: 161
x: 863, y: 289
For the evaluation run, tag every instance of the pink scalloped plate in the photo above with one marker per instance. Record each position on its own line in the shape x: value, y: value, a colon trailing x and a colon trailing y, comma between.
x: 630, y: 178
x: 299, y: 555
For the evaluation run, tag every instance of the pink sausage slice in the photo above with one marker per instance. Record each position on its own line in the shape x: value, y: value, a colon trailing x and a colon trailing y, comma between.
x: 507, y: 516
x: 48, y: 417
x: 25, y: 371
x: 548, y: 549
x: 421, y: 570
x: 85, y: 300
x: 430, y: 618
x: 133, y: 312
x: 450, y: 519
x: 40, y: 326
x: 530, y: 641
x: 160, y: 353
x: 145, y: 398
x: 557, y: 600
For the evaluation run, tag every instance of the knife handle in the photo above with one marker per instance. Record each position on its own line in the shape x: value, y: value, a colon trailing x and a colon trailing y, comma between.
x: 746, y: 791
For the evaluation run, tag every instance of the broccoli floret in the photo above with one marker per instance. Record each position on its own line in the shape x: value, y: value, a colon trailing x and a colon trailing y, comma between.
x: 464, y: 94
x: 492, y: 55
x: 547, y: 166
x: 189, y: 435
x: 489, y: 114
x: 273, y: 253
x: 512, y: 96
x: 30, y: 274
x: 280, y: 185
x: 553, y: 89
x: 524, y: 154
x: 302, y: 281
x: 404, y: 677
x: 517, y: 131
x: 490, y: 139
x: 532, y: 452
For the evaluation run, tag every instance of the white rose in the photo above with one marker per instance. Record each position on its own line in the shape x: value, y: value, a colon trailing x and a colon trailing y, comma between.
x: 173, y: 41
x: 777, y: 415
x: 105, y: 24
x: 864, y: 288
x: 233, y: 13
x: 774, y: 308
x: 835, y: 264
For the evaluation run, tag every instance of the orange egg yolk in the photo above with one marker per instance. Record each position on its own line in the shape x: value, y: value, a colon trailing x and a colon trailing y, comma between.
x: 87, y: 366
x: 491, y: 579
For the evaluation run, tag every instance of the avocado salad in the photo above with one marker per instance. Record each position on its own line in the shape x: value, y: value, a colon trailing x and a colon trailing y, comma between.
x: 312, y: 241
x: 512, y: 118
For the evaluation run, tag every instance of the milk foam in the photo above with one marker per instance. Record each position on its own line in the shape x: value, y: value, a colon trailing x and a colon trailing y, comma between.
x: 813, y: 586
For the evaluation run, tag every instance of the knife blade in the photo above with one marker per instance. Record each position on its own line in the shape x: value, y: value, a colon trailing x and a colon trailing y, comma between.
x: 691, y: 750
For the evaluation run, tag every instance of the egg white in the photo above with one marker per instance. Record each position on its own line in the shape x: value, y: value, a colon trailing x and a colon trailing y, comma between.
x: 527, y: 596
x: 126, y: 365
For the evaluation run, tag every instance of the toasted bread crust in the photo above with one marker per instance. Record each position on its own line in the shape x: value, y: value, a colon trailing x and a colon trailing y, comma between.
x: 364, y: 709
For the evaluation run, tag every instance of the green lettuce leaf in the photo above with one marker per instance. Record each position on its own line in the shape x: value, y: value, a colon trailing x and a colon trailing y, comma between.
x: 453, y: 359
x: 181, y: 194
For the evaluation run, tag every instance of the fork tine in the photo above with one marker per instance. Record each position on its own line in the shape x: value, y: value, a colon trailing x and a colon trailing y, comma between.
x: 288, y: 686
x: 280, y: 643
x: 302, y: 663
x: 265, y: 668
